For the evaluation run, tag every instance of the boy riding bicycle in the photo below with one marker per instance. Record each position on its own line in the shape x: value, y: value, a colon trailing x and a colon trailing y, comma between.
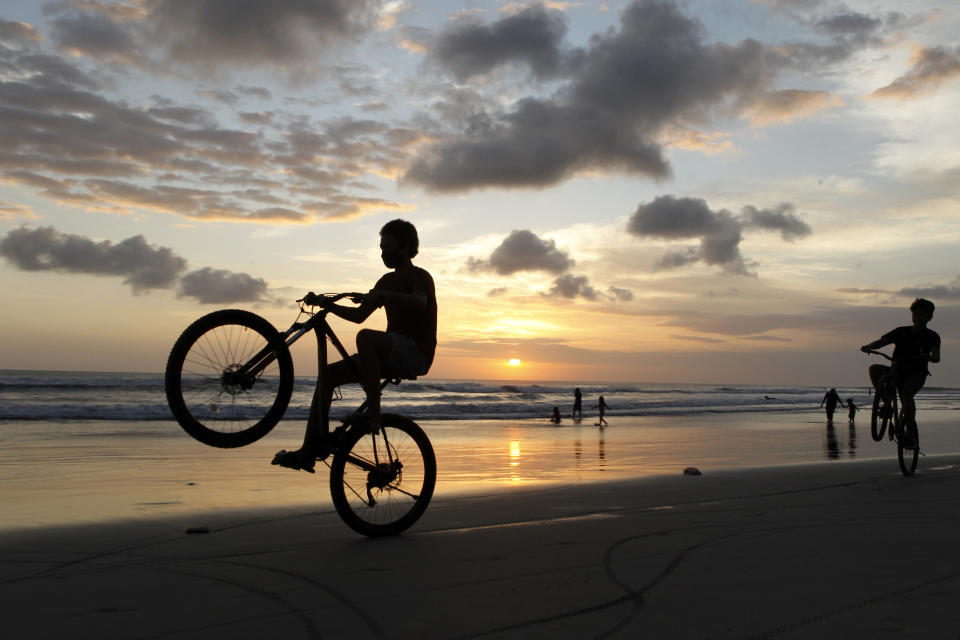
x: 915, y: 347
x: 404, y: 350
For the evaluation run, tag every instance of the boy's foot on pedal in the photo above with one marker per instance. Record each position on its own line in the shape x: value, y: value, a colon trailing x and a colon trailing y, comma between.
x: 298, y: 460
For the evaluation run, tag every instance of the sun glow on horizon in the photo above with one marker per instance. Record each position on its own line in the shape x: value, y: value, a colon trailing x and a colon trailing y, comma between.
x: 514, y: 362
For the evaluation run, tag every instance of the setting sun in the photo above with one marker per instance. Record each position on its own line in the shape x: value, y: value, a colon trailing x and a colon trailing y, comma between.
x: 514, y: 362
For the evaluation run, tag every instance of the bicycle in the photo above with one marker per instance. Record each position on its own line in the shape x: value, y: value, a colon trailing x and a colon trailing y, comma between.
x: 229, y: 379
x: 886, y: 414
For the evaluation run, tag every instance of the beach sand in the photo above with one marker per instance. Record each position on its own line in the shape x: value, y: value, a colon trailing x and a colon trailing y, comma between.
x: 816, y: 550
x: 835, y: 546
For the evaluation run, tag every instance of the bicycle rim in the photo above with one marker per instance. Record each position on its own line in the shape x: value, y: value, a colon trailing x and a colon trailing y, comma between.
x: 382, y: 483
x: 877, y: 423
x: 207, y: 391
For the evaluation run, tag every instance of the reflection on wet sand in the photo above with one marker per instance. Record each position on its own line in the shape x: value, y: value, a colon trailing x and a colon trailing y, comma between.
x: 831, y: 444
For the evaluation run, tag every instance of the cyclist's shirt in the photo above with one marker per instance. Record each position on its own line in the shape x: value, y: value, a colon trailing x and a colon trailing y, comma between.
x: 910, y: 341
x: 418, y: 323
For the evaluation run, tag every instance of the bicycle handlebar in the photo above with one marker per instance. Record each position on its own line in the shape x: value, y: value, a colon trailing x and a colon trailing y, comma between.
x: 335, y: 297
x: 878, y: 353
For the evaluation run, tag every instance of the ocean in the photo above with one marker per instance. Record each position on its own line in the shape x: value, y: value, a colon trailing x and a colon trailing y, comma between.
x: 139, y: 398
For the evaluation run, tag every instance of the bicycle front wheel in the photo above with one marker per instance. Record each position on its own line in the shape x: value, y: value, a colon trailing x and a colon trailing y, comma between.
x: 381, y: 483
x: 881, y: 414
x: 229, y: 378
x: 907, y: 456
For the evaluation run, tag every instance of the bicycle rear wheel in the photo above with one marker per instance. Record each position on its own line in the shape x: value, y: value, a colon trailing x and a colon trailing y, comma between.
x: 881, y: 414
x: 381, y: 483
x: 908, y: 456
x: 212, y: 389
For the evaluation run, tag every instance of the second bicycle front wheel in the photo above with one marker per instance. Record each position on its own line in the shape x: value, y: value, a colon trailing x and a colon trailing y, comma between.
x: 381, y: 483
x: 880, y: 415
x: 229, y: 378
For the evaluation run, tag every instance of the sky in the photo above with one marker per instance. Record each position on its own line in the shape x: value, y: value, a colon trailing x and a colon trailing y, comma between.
x: 649, y: 191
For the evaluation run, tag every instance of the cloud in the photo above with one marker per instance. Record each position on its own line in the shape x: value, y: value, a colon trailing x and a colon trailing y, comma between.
x: 776, y: 107
x: 524, y: 251
x: 9, y: 210
x: 931, y: 68
x: 633, y: 83
x: 719, y: 232
x: 97, y: 36
x: 218, y: 286
x: 208, y: 34
x: 245, y: 32
x: 782, y: 218
x: 18, y: 32
x: 142, y: 265
x: 937, y: 292
x: 69, y: 142
x: 532, y: 36
x: 571, y: 286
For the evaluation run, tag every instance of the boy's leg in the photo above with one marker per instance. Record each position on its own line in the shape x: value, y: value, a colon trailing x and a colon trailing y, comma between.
x: 372, y: 347
x: 908, y: 389
x: 314, y: 437
x: 338, y: 373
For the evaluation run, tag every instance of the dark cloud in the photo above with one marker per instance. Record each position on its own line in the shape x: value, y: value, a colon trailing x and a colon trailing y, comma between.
x: 571, y: 286
x: 847, y: 32
x: 244, y: 32
x: 719, y: 232
x: 937, y: 292
x: 142, y: 265
x: 633, y: 82
x: 218, y: 286
x: 619, y: 294
x: 532, y: 36
x: 524, y: 251
x: 18, y: 32
x: 97, y: 36
x: 782, y: 218
x: 931, y: 68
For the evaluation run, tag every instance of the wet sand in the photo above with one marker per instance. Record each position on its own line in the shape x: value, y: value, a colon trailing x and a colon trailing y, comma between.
x: 70, y: 473
x: 828, y: 549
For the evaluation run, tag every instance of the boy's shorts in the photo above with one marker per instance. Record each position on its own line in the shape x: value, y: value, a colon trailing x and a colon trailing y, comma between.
x: 405, y: 359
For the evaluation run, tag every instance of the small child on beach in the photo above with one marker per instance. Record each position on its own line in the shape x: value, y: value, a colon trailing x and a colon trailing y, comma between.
x: 555, y: 418
x: 602, y: 406
x: 853, y: 409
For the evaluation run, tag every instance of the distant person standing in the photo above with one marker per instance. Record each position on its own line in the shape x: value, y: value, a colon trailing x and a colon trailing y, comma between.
x: 831, y: 398
x: 577, y: 404
x: 602, y: 407
x: 852, y: 410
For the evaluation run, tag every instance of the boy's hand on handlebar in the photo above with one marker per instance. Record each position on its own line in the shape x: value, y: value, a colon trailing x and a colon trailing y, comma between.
x: 314, y: 300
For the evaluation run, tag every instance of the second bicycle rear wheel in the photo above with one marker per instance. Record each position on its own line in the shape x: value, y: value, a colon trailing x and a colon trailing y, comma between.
x: 907, y: 456
x: 381, y: 483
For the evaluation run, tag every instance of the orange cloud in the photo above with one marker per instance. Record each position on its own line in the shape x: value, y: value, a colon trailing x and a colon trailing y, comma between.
x: 931, y: 68
x: 779, y: 107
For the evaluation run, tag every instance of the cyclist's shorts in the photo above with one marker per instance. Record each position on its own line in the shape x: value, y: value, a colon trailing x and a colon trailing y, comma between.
x: 405, y: 360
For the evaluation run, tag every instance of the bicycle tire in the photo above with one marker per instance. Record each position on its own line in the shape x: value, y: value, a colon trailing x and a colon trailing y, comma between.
x: 398, y: 499
x: 879, y: 419
x: 908, y: 456
x: 213, y: 406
